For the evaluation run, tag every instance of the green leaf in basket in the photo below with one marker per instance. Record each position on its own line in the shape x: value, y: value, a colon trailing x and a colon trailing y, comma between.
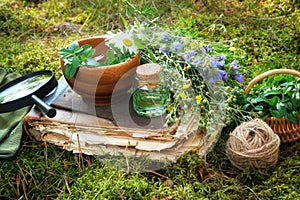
x: 288, y: 89
x: 287, y: 84
x: 246, y: 106
x: 262, y: 99
x: 272, y: 102
x: 281, y: 109
x: 258, y: 100
x: 272, y: 92
x: 289, y: 105
x: 276, y: 114
x: 258, y: 108
x: 295, y: 102
x: 293, y: 117
x: 264, y: 114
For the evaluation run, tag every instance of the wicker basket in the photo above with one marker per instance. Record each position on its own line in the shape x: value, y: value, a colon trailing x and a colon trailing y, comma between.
x: 286, y: 130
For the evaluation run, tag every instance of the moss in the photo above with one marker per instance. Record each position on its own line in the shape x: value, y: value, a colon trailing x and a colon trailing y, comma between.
x: 270, y: 40
x: 265, y: 34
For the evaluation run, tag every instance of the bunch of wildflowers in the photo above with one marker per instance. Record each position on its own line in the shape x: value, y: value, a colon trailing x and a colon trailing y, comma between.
x: 194, y: 82
x: 194, y: 75
x: 192, y: 51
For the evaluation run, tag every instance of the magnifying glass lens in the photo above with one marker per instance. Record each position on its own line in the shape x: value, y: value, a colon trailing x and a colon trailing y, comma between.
x: 23, y: 88
x: 28, y: 90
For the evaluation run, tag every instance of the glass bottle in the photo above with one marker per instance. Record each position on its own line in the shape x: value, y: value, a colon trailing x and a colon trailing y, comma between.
x: 150, y: 96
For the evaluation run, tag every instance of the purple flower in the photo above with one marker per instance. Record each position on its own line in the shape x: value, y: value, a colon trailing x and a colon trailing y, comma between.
x: 234, y: 65
x: 164, y: 50
x: 223, y: 75
x: 221, y: 61
x: 214, y: 62
x: 217, y: 75
x: 177, y: 46
x: 223, y: 57
x: 207, y: 48
x: 239, y: 77
x: 212, y: 76
x: 192, y: 52
x: 196, y: 62
x: 166, y: 38
x: 187, y: 57
x: 211, y: 80
x: 217, y: 62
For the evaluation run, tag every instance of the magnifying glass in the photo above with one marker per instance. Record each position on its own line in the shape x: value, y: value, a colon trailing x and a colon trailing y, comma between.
x: 28, y: 90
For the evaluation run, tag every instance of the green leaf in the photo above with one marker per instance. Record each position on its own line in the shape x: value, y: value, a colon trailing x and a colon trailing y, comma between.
x: 289, y: 105
x: 152, y: 56
x: 264, y: 114
x: 70, y: 71
x: 115, y: 49
x: 258, y: 108
x: 91, y: 62
x: 75, y: 62
x: 288, y: 89
x: 78, y: 51
x: 272, y: 92
x: 276, y: 114
x: 287, y: 84
x: 293, y: 117
x: 73, y: 46
x: 87, y: 53
x: 65, y: 53
x: 261, y: 99
x: 124, y: 20
x: 138, y: 43
x: 246, y: 106
x: 281, y: 109
x: 295, y: 102
x: 87, y: 49
x: 110, y: 56
x: 72, y: 68
x: 272, y: 102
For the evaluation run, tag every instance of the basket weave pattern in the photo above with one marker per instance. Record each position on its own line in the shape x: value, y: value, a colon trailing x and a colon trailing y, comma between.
x: 287, y: 131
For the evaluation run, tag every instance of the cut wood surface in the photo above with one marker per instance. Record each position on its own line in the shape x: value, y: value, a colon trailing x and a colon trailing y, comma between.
x: 87, y: 129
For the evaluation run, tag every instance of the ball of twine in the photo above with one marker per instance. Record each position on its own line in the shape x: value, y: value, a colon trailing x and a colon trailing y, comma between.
x: 253, y: 144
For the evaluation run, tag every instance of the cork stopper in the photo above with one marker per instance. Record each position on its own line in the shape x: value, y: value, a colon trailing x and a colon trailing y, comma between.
x: 148, y: 71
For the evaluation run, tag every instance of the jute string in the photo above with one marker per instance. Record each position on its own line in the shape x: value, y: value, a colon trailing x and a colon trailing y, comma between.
x: 253, y: 144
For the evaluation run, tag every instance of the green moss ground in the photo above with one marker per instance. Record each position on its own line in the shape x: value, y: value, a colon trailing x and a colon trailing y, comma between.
x: 266, y: 33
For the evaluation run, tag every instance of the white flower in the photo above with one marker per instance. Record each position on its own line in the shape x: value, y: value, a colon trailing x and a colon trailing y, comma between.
x: 121, y: 40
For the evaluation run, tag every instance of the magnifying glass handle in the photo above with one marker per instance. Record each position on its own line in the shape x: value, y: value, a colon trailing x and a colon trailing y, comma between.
x: 48, y: 110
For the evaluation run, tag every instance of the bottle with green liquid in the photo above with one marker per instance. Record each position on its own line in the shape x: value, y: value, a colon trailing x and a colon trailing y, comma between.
x: 150, y: 96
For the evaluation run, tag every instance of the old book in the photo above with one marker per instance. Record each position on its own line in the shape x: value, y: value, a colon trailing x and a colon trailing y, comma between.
x: 84, y: 128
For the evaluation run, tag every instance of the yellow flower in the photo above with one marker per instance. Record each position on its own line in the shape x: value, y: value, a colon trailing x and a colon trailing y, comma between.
x: 201, y: 44
x: 198, y: 98
x: 182, y: 95
x: 232, y: 49
x: 186, y: 86
x: 193, y: 45
x: 169, y: 108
